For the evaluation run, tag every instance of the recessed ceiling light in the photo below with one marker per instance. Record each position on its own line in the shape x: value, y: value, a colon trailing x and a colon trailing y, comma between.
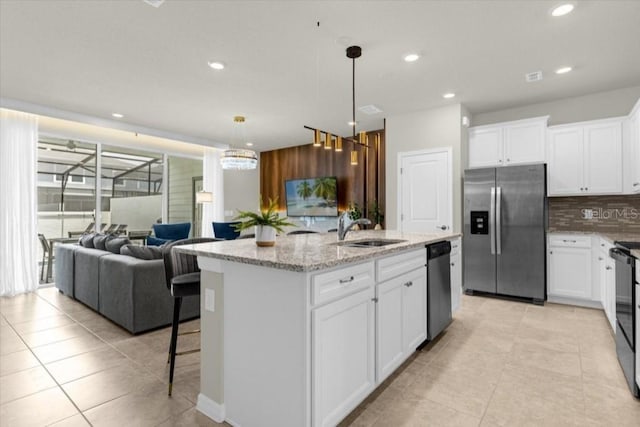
x: 216, y: 65
x: 249, y: 144
x: 411, y: 57
x: 563, y: 70
x: 448, y: 95
x: 117, y: 115
x: 562, y: 9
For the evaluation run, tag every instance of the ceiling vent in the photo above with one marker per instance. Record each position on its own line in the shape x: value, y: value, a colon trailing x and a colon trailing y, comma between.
x: 536, y: 76
x: 154, y: 3
x: 370, y: 109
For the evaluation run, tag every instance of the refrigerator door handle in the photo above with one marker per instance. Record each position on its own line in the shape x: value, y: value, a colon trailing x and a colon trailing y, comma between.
x: 492, y: 220
x: 498, y: 217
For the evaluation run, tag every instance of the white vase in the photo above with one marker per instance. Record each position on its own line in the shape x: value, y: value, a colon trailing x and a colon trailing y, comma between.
x: 265, y: 235
x: 377, y: 227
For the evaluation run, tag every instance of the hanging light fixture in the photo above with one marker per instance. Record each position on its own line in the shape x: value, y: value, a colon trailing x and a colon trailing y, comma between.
x: 238, y: 158
x: 356, y: 139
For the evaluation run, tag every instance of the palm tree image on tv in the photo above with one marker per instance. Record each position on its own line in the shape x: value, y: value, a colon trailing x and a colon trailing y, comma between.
x: 312, y: 197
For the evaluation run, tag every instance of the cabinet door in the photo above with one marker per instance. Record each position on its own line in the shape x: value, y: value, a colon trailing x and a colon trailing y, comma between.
x: 637, y: 333
x: 343, y: 349
x: 570, y: 272
x: 565, y: 171
x: 414, y: 310
x: 603, y: 158
x: 485, y: 147
x: 635, y: 149
x: 610, y: 283
x: 390, y: 348
x: 456, y: 282
x: 401, y: 319
x: 524, y: 143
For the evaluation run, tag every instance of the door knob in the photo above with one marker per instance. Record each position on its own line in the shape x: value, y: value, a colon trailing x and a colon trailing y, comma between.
x: 442, y: 227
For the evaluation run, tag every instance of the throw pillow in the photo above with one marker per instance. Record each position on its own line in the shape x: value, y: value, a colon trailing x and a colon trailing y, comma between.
x: 114, y: 245
x: 99, y: 241
x: 86, y: 240
x: 142, y: 252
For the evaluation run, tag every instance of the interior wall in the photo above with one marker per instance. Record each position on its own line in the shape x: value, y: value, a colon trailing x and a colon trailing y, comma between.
x: 241, y: 191
x: 181, y: 174
x: 422, y: 130
x: 139, y: 213
x: 307, y: 161
x: 614, y: 103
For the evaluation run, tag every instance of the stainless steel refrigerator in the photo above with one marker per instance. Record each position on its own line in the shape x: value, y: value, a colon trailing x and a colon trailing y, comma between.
x: 504, y: 244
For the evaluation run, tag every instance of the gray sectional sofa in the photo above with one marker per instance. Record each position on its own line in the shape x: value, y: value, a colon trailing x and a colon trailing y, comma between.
x: 129, y: 291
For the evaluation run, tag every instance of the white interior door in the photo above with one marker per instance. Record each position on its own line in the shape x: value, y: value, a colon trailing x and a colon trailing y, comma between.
x: 425, y: 183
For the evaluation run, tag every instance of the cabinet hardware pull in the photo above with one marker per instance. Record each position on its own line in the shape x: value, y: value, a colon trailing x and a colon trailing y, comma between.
x: 569, y: 241
x: 586, y: 188
x: 374, y: 299
x: 350, y: 279
x: 550, y: 252
x: 635, y: 184
x: 409, y: 284
x: 608, y: 267
x: 453, y: 264
x: 508, y: 160
x: 581, y: 189
x: 600, y: 258
x: 602, y: 244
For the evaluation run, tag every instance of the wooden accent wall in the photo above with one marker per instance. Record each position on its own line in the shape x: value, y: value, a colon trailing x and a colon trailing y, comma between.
x: 307, y: 161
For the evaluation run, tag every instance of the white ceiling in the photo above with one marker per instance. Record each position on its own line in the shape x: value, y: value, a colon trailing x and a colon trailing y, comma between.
x: 283, y: 72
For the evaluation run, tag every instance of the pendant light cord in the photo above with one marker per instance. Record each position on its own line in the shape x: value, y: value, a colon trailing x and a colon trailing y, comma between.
x: 353, y: 95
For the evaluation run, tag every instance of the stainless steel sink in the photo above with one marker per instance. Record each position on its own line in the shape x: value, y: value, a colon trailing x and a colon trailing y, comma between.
x: 370, y: 243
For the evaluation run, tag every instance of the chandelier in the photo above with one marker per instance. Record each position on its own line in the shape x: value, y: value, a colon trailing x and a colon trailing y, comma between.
x: 239, y: 158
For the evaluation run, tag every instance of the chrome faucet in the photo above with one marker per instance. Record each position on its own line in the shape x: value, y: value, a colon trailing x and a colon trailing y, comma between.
x: 345, y: 224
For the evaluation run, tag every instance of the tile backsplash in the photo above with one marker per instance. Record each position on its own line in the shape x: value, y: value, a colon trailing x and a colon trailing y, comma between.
x: 595, y: 213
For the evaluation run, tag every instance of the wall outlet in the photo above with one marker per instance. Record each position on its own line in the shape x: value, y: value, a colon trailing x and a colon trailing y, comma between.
x: 210, y: 300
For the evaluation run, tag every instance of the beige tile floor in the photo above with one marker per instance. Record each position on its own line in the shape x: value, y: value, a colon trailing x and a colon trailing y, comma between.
x: 500, y: 363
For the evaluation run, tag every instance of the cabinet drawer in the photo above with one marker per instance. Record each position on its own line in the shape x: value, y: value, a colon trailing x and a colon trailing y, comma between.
x: 396, y: 265
x: 570, y: 240
x: 337, y: 283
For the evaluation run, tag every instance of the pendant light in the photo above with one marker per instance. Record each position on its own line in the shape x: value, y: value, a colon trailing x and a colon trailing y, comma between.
x: 354, y: 52
x: 239, y: 158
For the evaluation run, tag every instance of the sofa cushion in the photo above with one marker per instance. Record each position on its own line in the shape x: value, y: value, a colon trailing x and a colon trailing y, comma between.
x: 142, y: 252
x: 114, y: 245
x: 86, y: 240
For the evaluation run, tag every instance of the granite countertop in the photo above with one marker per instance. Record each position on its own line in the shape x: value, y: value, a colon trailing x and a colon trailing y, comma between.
x: 311, y: 252
x: 610, y: 236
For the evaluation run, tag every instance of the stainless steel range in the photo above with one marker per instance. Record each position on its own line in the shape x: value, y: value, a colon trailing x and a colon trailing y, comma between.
x: 626, y: 345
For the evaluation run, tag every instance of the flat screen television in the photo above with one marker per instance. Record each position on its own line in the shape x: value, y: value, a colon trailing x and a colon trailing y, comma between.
x: 312, y: 196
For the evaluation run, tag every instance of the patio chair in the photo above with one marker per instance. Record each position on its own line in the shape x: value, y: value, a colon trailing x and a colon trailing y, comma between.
x: 46, y: 248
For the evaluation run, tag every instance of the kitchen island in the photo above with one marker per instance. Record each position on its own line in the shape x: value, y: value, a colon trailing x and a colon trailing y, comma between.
x: 301, y: 333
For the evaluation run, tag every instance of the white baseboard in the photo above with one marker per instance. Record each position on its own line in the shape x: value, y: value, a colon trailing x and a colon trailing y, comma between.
x: 210, y: 408
x: 574, y: 301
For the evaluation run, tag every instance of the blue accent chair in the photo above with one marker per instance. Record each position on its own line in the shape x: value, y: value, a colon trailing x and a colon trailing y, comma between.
x: 225, y: 230
x: 164, y: 233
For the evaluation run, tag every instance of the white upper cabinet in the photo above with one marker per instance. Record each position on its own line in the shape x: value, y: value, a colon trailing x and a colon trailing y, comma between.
x: 508, y: 143
x: 485, y: 147
x: 585, y: 158
x: 633, y: 154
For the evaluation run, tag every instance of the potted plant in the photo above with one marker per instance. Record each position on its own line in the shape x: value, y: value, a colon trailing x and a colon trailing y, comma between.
x: 266, y: 223
x: 378, y: 215
x: 355, y: 213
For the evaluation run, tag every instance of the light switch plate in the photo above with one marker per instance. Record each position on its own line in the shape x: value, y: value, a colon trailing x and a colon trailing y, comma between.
x: 210, y: 300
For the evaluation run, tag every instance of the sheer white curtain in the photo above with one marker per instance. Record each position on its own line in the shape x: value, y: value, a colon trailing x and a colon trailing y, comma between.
x: 18, y: 203
x: 213, y: 181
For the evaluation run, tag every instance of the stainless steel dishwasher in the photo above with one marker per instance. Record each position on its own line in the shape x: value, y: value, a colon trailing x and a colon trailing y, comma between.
x: 438, y: 288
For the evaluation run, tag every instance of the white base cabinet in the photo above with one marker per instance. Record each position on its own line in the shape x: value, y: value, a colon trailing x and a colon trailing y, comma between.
x: 606, y: 276
x: 401, y: 321
x: 456, y: 275
x: 569, y: 267
x: 343, y: 356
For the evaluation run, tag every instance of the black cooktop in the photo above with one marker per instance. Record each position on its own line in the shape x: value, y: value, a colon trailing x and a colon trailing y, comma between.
x: 628, y: 245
